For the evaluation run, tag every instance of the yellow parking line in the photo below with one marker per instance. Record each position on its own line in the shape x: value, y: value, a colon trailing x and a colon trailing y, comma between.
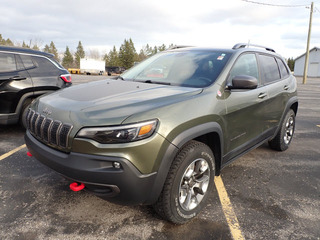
x: 231, y: 217
x: 318, y: 125
x: 12, y: 152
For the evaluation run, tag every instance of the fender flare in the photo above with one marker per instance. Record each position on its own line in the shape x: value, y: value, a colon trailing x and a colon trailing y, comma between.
x: 176, y: 144
x: 291, y: 102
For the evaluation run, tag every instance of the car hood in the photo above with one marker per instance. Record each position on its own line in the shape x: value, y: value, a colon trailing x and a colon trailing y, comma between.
x: 109, y: 102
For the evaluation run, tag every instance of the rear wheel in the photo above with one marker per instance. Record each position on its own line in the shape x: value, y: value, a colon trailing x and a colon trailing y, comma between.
x: 283, y: 138
x: 189, y: 182
x: 23, y: 113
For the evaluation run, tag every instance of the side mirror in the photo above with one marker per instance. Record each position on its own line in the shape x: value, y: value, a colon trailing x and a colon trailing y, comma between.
x: 243, y: 82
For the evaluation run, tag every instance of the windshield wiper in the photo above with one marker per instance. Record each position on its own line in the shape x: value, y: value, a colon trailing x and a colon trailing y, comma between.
x: 155, y: 82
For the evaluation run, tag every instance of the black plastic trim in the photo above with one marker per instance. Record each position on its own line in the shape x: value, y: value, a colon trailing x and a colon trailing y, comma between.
x: 173, y: 149
x: 97, y: 172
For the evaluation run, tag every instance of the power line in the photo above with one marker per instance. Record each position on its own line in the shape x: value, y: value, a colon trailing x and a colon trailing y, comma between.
x: 273, y: 5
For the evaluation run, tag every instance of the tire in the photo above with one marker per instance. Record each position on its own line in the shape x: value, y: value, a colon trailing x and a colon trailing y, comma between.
x: 283, y: 138
x: 23, y: 113
x: 188, y: 184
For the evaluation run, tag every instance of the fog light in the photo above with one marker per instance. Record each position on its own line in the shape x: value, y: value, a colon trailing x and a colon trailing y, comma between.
x: 116, y: 165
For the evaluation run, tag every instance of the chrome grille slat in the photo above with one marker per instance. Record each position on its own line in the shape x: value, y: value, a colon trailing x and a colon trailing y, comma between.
x: 48, y: 130
x: 64, y: 133
x: 30, y: 118
x: 54, y: 132
x: 33, y: 122
x: 39, y: 122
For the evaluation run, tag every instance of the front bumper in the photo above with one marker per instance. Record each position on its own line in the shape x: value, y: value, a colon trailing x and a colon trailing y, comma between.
x: 124, y: 185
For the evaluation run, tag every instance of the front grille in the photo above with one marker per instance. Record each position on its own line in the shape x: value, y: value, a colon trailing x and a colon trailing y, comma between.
x: 47, y: 130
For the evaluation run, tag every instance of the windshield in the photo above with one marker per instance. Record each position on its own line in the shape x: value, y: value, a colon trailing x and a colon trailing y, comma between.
x: 197, y: 68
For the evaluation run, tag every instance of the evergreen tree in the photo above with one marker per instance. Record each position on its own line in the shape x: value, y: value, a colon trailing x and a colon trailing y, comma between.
x: 142, y: 55
x: 24, y: 45
x: 106, y: 59
x: 46, y: 48
x: 162, y: 48
x: 113, y: 58
x: 155, y: 50
x: 127, y: 54
x: 79, y: 54
x: 6, y: 42
x: 35, y: 47
x: 54, y: 51
x: 2, y: 41
x: 291, y: 63
x: 148, y: 50
x: 67, y: 60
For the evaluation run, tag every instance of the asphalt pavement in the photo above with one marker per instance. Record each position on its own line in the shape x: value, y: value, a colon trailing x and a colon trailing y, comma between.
x: 274, y: 195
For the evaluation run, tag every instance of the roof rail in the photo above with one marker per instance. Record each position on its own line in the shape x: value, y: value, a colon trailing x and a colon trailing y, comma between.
x: 243, y: 45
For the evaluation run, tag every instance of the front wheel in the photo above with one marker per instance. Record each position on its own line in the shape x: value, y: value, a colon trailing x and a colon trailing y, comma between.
x: 283, y: 138
x: 188, y: 184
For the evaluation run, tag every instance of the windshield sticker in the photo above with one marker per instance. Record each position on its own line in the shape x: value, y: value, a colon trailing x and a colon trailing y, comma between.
x: 221, y: 57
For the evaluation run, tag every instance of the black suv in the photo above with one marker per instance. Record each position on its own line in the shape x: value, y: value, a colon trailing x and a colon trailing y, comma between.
x: 24, y: 75
x: 160, y: 132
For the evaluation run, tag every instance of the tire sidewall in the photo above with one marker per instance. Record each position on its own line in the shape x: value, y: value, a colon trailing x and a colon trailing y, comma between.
x: 24, y: 110
x: 289, y: 114
x: 193, y: 154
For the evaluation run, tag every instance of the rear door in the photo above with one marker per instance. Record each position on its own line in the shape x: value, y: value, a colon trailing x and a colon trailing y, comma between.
x: 14, y: 82
x: 275, y: 77
x: 45, y: 75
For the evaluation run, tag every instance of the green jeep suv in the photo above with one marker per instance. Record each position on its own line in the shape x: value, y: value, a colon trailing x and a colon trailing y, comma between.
x: 160, y: 132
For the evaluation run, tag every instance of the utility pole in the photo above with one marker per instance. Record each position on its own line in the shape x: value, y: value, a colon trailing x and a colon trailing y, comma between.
x: 305, y: 73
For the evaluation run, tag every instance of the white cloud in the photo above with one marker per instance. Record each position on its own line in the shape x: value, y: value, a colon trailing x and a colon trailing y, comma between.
x: 100, y: 24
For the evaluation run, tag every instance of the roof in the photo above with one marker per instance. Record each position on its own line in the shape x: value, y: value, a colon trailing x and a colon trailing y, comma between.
x: 315, y: 48
x: 24, y: 50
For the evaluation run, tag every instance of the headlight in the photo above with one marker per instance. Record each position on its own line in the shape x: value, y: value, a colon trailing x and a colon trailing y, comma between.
x: 120, y: 134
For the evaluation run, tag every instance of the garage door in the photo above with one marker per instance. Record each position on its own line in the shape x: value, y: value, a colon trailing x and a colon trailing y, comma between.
x: 314, y: 70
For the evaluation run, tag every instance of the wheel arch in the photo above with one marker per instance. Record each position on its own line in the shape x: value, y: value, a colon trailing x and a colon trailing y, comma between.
x: 291, y: 104
x: 208, y: 133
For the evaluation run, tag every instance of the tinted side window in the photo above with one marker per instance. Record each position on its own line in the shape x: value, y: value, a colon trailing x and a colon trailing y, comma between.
x: 270, y: 70
x: 245, y: 65
x: 7, y: 62
x: 27, y: 61
x: 44, y: 65
x: 19, y: 63
x: 283, y: 70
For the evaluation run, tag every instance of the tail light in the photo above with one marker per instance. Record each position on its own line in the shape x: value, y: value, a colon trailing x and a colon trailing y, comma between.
x: 66, y: 78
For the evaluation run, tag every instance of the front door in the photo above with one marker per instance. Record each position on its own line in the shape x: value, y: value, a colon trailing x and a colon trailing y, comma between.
x: 244, y: 108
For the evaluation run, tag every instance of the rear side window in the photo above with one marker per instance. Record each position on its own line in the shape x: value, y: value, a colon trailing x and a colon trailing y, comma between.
x: 58, y: 64
x: 7, y: 62
x: 44, y: 64
x: 245, y: 65
x: 19, y: 63
x: 27, y: 61
x: 283, y: 70
x: 270, y: 70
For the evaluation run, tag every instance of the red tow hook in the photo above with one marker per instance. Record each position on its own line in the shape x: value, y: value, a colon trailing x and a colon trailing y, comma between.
x: 29, y: 154
x: 76, y: 186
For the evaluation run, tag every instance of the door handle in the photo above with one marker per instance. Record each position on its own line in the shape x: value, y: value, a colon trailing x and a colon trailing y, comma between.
x: 286, y: 87
x: 262, y: 95
x: 17, y: 78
